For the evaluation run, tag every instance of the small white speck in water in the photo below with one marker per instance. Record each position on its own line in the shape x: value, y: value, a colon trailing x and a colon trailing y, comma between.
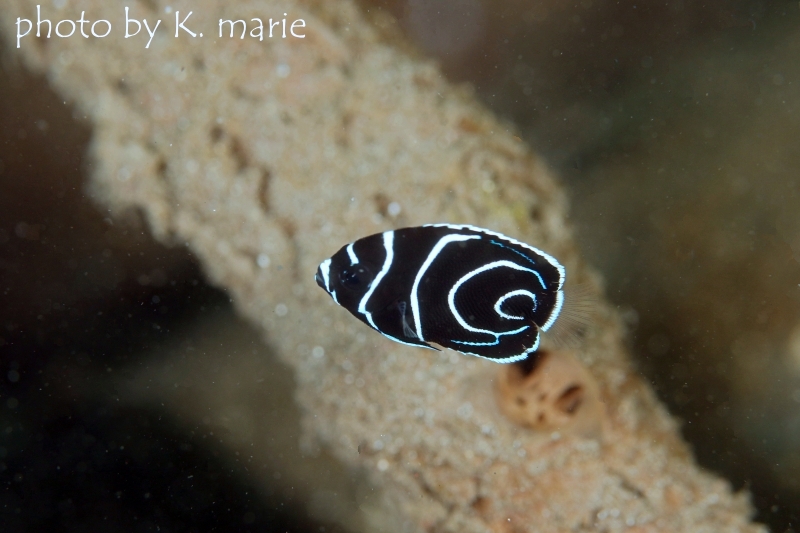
x: 263, y: 261
x: 393, y: 209
x: 283, y: 70
x: 318, y: 352
x: 281, y: 310
x: 383, y: 465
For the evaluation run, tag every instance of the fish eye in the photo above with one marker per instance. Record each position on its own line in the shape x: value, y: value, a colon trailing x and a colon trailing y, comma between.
x: 355, y: 277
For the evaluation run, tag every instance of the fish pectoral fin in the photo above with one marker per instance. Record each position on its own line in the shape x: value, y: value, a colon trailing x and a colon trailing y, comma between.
x: 407, y: 330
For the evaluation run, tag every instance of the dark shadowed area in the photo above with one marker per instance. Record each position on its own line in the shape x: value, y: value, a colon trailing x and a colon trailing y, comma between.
x: 87, y: 304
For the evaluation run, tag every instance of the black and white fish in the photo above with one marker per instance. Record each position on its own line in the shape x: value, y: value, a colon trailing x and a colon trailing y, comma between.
x: 458, y: 286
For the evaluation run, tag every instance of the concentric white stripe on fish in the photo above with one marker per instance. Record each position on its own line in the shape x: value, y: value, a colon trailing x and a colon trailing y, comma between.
x: 555, y: 312
x: 444, y: 241
x: 512, y: 359
x: 519, y: 292
x: 549, y: 258
x: 451, y: 296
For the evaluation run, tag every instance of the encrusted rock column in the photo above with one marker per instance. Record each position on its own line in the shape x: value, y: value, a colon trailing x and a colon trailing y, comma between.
x: 263, y: 157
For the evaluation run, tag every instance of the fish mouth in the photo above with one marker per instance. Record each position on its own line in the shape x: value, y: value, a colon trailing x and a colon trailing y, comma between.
x: 320, y: 281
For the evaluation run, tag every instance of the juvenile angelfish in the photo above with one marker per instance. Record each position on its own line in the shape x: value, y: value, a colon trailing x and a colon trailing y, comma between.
x: 461, y: 287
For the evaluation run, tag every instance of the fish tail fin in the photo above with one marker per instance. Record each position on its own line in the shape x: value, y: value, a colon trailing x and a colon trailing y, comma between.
x: 575, y: 319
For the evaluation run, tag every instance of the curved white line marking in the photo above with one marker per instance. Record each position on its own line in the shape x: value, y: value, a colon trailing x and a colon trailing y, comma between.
x: 496, y: 338
x: 549, y: 258
x: 503, y: 298
x: 510, y: 359
x: 325, y: 268
x: 451, y: 297
x: 540, y: 279
x: 444, y: 241
x: 555, y: 312
x: 388, y: 245
x: 352, y: 254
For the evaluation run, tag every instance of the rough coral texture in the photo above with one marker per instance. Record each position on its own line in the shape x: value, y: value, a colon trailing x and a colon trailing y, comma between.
x: 264, y: 157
